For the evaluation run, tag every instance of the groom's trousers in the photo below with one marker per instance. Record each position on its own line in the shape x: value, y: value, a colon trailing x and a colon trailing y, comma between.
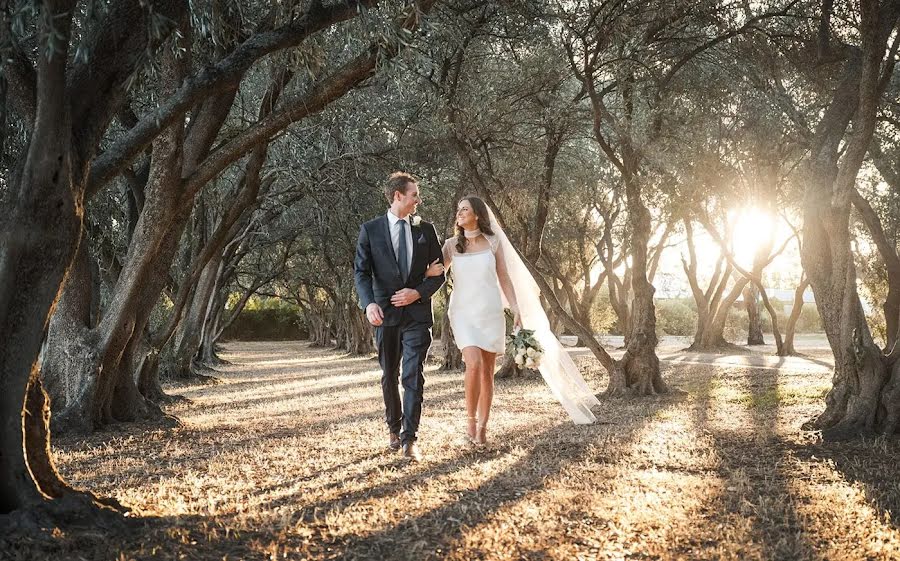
x: 402, y: 350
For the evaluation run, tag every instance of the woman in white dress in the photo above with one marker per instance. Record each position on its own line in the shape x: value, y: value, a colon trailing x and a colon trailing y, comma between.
x: 476, y: 307
x: 488, y: 273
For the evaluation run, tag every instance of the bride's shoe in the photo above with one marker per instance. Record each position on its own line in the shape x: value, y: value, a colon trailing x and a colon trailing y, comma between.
x: 470, y: 433
x: 480, y: 434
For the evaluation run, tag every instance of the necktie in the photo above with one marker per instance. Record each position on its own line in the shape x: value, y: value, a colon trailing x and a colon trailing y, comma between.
x: 402, y: 251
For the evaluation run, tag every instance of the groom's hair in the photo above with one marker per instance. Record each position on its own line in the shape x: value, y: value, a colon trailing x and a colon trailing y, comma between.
x: 397, y: 182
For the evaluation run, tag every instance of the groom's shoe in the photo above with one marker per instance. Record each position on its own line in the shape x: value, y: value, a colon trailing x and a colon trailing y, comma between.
x: 394, y: 442
x: 411, y: 451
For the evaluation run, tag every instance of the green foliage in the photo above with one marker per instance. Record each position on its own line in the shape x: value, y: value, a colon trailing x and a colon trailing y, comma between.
x: 603, y: 317
x: 810, y: 321
x: 737, y: 324
x: 676, y: 317
x: 256, y: 303
x: 872, y: 272
x: 877, y: 325
x: 266, y: 319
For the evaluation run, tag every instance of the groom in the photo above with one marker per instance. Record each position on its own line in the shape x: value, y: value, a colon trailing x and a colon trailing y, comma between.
x: 392, y: 255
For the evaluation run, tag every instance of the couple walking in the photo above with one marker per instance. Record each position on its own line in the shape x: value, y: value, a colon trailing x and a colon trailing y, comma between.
x: 400, y: 264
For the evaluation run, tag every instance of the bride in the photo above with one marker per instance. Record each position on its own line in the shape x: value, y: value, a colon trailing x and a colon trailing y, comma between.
x: 488, y: 273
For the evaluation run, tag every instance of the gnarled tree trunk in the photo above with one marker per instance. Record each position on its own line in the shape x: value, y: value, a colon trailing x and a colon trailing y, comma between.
x: 67, y: 112
x: 754, y: 318
x: 640, y: 365
x: 69, y: 359
x: 362, y: 340
x: 39, y: 240
x: 712, y: 307
x: 888, y: 251
x: 865, y: 396
x: 190, y: 331
x: 452, y: 357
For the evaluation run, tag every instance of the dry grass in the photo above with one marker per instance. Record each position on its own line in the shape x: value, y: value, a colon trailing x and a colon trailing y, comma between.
x: 286, y: 460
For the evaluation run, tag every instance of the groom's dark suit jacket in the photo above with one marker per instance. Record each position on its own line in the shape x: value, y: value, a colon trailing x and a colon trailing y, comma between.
x: 378, y: 275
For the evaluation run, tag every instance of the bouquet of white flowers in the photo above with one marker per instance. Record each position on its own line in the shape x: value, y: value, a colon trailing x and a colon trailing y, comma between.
x: 525, y: 349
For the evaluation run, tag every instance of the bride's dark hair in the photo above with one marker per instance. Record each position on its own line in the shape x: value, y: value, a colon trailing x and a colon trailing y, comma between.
x: 484, y: 222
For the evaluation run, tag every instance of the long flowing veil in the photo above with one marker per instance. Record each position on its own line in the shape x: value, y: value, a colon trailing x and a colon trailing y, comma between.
x: 557, y: 367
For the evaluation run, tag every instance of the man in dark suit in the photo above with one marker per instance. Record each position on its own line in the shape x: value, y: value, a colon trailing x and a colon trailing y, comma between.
x: 392, y: 255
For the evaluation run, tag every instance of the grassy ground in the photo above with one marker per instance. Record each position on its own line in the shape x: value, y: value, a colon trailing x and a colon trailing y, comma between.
x: 286, y: 459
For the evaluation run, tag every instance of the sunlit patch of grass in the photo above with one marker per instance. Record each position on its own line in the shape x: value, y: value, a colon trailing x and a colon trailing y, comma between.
x: 786, y: 394
x: 838, y: 515
x: 699, y: 386
x: 639, y: 501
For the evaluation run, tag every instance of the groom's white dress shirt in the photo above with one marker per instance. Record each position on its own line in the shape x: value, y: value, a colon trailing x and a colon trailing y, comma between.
x: 395, y: 237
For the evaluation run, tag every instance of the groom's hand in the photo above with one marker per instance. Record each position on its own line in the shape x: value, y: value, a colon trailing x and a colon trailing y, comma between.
x: 405, y: 297
x: 374, y: 314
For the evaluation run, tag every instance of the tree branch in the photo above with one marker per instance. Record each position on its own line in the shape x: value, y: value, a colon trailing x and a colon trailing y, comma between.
x: 295, y: 109
x: 887, y: 250
x: 113, y: 50
x: 21, y: 77
x: 748, y: 25
x: 227, y: 73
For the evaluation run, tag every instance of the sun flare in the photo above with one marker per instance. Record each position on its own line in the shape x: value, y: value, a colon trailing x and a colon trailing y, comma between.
x: 753, y: 228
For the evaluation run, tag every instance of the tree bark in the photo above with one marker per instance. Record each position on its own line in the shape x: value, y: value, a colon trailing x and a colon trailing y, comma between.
x: 209, y: 347
x: 640, y: 365
x: 791, y: 328
x: 888, y: 252
x: 41, y: 233
x: 713, y: 337
x: 751, y: 303
x: 712, y: 310
x: 209, y: 342
x: 360, y: 340
x: 452, y: 357
x: 70, y: 357
x: 776, y: 331
x: 144, y: 362
x: 39, y: 240
x: 37, y: 443
x: 865, y: 396
x: 188, y: 343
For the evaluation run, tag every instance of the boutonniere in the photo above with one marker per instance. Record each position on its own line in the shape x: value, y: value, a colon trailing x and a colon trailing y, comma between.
x: 416, y: 220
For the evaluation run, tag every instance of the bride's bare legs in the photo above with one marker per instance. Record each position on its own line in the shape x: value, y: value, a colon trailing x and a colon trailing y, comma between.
x: 472, y: 356
x: 486, y: 394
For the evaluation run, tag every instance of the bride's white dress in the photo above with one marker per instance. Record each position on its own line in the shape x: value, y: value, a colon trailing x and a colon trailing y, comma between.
x: 482, y: 283
x: 476, y: 306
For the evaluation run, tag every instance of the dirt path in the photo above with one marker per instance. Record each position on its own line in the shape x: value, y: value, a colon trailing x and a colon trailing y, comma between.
x: 285, y: 459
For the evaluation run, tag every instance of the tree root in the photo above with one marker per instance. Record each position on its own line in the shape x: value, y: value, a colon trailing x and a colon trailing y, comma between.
x: 840, y: 432
x: 628, y: 392
x: 172, y: 399
x: 216, y: 361
x: 75, y: 510
x: 192, y: 376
